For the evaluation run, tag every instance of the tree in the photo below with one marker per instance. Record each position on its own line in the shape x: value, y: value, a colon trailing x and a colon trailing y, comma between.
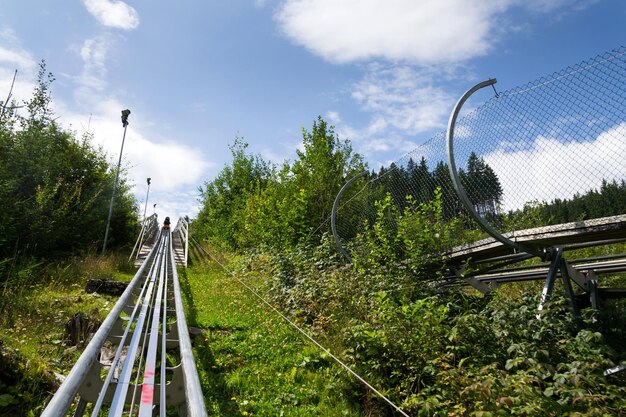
x: 221, y: 217
x: 482, y: 185
x: 54, y: 188
x: 322, y: 169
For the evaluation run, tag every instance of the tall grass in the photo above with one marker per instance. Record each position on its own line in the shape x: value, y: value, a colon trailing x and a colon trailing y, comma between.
x: 37, y: 301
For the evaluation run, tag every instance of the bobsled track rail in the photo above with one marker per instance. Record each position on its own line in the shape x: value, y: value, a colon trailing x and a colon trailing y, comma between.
x: 139, y: 362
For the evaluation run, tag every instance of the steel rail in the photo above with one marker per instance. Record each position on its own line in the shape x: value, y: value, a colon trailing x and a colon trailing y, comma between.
x: 61, y: 401
x: 118, y: 354
x: 152, y: 290
x: 123, y: 384
x: 193, y: 389
x: 182, y: 226
x: 149, y: 375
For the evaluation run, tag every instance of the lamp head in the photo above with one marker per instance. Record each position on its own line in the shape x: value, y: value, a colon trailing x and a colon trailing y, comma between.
x: 125, y: 114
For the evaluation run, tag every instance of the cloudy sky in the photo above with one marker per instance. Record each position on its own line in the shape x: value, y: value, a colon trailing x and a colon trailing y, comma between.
x: 197, y: 74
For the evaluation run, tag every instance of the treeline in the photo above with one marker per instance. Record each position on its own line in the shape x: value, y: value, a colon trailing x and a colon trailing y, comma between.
x: 416, y: 183
x: 55, y: 188
x: 609, y: 200
x: 252, y: 203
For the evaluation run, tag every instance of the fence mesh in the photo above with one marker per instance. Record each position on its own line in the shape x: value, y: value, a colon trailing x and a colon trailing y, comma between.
x: 549, y: 152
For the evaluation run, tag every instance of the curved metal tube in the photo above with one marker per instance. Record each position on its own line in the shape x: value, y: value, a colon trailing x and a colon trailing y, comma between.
x: 456, y: 180
x: 333, y: 216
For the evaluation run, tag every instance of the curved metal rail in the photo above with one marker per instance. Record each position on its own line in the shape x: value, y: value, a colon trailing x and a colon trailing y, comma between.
x: 333, y: 216
x: 141, y: 329
x: 456, y: 179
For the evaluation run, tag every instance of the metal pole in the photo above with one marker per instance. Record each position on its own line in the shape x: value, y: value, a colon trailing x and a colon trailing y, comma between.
x: 146, y: 205
x: 125, y: 114
x: 186, y: 241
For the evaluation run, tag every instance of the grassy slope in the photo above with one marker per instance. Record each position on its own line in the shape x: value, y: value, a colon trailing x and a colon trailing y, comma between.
x: 34, y: 308
x: 250, y: 361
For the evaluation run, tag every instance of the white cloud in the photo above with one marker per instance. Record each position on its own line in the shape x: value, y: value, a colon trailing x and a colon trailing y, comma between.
x: 171, y: 164
x: 14, y: 58
x: 547, y: 6
x: 333, y: 116
x: 551, y: 168
x: 175, y: 169
x: 422, y: 32
x: 374, y: 141
x: 415, y: 44
x: 94, y: 53
x: 12, y: 54
x: 172, y: 204
x: 401, y: 101
x: 403, y: 98
x: 113, y: 13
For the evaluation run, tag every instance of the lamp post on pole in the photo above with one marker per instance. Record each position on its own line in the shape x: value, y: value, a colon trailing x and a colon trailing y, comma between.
x: 125, y: 114
x: 146, y: 205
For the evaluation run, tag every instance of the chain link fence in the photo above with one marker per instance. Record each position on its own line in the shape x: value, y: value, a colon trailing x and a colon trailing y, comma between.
x: 549, y: 152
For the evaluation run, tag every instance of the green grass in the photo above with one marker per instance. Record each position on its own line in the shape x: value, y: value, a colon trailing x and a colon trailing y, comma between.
x: 35, y: 305
x: 250, y: 361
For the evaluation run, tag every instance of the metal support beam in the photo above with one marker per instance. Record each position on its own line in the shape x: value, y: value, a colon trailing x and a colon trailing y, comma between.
x: 546, y: 294
x: 569, y: 291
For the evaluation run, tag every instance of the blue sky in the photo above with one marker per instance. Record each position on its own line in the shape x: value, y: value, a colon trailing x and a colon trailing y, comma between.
x: 196, y: 74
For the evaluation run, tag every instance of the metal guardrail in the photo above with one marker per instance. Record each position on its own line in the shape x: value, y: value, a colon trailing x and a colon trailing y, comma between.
x: 148, y: 233
x: 182, y: 232
x: 142, y: 328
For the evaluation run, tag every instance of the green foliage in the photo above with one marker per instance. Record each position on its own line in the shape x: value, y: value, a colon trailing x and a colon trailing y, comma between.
x: 221, y: 219
x: 252, y: 204
x: 404, y: 243
x: 322, y: 169
x: 250, y: 361
x: 35, y: 305
x: 54, y: 189
x: 452, y: 353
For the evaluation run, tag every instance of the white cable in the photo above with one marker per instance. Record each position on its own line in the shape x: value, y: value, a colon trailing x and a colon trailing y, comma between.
x: 305, y: 334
